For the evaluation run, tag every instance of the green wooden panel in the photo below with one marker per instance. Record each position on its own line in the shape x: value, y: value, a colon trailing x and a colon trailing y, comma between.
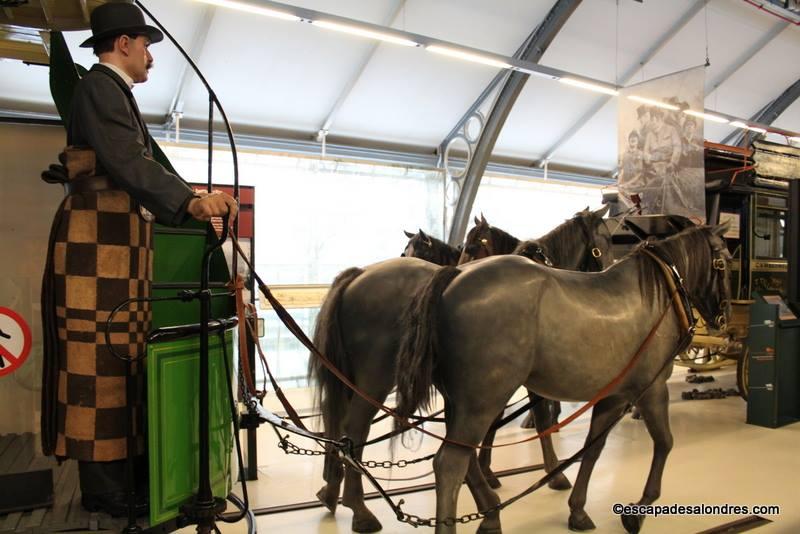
x: 172, y: 396
x: 177, y: 257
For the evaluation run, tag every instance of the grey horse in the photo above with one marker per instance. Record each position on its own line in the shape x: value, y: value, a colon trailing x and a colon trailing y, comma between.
x: 358, y: 330
x: 480, y: 331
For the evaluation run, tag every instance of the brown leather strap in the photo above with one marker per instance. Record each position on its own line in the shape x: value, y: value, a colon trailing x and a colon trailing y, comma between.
x: 89, y: 184
x: 295, y: 329
x: 244, y: 359
x: 680, y: 309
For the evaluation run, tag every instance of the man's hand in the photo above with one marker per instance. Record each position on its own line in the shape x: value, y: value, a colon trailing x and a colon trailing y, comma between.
x: 213, y: 205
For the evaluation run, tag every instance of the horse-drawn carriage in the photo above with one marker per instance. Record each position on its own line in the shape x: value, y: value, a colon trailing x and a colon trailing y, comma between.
x: 747, y: 189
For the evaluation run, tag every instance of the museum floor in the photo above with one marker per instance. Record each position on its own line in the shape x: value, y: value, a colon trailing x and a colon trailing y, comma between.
x: 717, y: 459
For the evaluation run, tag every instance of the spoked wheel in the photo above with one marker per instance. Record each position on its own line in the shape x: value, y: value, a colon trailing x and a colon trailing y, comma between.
x: 742, y: 372
x: 702, y: 358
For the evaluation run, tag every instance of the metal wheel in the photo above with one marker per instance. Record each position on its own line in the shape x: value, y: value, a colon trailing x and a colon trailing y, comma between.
x: 702, y: 358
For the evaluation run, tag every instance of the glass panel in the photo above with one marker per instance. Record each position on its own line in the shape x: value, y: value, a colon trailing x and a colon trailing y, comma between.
x: 769, y: 231
x: 529, y: 208
x: 287, y: 357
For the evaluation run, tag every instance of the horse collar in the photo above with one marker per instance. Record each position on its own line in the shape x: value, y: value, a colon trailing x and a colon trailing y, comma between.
x: 680, y: 297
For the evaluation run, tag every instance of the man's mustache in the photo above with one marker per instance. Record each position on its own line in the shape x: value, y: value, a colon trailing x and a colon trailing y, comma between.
x: 149, y: 65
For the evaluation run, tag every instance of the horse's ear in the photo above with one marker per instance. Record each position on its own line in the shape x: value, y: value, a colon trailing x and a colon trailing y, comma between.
x: 422, y: 234
x: 483, y: 219
x: 721, y: 229
x: 602, y: 211
x: 477, y: 222
x: 408, y: 234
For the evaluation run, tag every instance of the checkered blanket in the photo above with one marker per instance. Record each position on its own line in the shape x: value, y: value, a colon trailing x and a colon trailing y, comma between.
x: 100, y: 254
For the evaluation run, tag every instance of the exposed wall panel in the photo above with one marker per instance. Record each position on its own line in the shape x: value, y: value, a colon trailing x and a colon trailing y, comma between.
x: 27, y: 205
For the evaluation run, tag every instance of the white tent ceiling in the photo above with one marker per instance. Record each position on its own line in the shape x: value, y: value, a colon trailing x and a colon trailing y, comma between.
x: 273, y: 75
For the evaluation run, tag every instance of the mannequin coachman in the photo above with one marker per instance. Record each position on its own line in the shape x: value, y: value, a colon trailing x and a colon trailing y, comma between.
x: 100, y: 254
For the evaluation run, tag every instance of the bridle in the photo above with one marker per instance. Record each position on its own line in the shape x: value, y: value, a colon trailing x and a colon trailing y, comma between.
x: 680, y: 296
x: 592, y: 253
x: 484, y: 243
x: 427, y: 242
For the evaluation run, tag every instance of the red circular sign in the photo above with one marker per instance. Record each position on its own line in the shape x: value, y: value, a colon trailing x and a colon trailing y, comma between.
x: 15, y: 341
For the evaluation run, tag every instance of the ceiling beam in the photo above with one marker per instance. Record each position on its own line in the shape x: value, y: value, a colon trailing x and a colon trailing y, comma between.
x: 544, y: 35
x: 195, y: 51
x: 499, y: 78
x: 344, y: 94
x: 626, y: 77
x: 768, y: 114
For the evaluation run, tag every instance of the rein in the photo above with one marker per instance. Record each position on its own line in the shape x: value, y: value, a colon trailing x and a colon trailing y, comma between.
x: 297, y: 331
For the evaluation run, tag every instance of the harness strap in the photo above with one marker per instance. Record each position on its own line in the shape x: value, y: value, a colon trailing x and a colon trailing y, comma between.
x: 680, y: 298
x: 295, y: 329
x: 244, y: 359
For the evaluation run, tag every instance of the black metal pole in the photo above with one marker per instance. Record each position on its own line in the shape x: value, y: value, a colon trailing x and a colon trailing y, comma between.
x: 204, y: 492
x: 130, y: 473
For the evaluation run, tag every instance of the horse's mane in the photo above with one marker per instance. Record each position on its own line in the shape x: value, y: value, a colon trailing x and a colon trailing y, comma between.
x: 447, y: 253
x: 502, y: 241
x: 560, y: 238
x: 441, y: 252
x: 688, y: 251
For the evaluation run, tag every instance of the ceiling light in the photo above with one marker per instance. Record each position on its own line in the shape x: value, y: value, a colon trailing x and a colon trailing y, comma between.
x: 740, y: 124
x: 707, y: 116
x: 656, y: 103
x: 590, y: 86
x: 475, y: 58
x: 363, y: 32
x: 248, y: 8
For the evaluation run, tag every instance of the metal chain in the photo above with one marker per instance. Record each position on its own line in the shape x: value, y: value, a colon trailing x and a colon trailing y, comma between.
x: 386, y: 464
x: 290, y: 448
x: 417, y: 521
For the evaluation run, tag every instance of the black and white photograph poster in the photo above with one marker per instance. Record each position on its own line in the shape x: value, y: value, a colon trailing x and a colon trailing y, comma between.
x: 661, y: 165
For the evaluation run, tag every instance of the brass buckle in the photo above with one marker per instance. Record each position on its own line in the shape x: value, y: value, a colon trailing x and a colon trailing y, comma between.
x: 718, y: 264
x: 596, y: 252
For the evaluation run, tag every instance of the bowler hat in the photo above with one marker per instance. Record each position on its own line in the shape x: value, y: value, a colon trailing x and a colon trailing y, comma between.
x: 119, y: 18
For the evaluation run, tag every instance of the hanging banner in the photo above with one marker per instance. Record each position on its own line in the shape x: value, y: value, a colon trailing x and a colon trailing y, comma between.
x: 661, y: 163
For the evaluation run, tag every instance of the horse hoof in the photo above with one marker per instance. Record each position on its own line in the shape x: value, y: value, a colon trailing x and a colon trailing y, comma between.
x: 330, y: 501
x: 632, y: 523
x: 580, y: 523
x: 559, y: 483
x: 366, y: 522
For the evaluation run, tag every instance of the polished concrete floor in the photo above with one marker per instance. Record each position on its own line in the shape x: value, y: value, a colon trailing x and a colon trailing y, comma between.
x: 717, y: 459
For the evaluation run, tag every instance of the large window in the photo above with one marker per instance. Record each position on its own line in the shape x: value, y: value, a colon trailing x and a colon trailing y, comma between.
x: 528, y: 208
x: 315, y: 218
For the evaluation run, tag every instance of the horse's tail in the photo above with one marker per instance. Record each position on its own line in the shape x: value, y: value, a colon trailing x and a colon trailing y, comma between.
x: 417, y: 357
x: 331, y: 395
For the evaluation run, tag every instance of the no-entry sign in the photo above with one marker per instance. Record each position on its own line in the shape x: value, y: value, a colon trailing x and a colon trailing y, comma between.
x: 15, y: 341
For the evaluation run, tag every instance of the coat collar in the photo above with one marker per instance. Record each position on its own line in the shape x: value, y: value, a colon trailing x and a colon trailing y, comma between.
x: 97, y: 67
